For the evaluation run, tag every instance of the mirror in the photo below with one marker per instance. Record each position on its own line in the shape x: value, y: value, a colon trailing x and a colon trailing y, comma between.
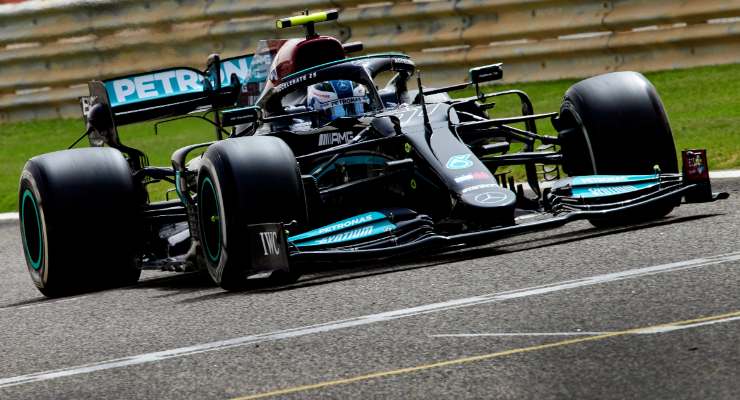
x: 486, y: 73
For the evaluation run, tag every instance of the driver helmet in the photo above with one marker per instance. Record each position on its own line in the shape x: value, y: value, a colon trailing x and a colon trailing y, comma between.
x: 335, y: 99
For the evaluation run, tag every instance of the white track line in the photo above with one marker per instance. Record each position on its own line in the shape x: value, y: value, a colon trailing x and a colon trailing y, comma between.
x: 364, y: 320
x: 11, y: 216
x: 646, y: 331
x: 725, y: 174
x: 678, y: 327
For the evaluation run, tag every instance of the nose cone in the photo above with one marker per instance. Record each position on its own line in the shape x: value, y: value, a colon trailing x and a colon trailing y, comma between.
x: 487, y: 204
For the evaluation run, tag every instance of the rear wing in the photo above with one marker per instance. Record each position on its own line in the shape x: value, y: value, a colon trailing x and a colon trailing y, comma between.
x: 173, y: 91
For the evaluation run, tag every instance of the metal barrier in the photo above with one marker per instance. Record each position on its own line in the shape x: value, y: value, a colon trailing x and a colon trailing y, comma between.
x: 49, y: 49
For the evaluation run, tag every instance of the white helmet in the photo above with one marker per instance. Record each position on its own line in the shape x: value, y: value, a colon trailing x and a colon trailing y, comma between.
x: 335, y: 99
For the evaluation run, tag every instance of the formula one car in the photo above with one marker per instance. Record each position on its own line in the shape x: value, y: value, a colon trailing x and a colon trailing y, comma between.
x: 321, y: 163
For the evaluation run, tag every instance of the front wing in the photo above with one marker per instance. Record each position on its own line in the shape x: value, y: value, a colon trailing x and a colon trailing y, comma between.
x: 390, y: 233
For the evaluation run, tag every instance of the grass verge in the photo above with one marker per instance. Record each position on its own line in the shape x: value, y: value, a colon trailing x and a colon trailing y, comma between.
x: 703, y: 106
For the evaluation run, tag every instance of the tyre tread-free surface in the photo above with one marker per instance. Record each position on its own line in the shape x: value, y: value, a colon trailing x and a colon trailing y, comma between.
x: 244, y: 181
x: 85, y: 222
x: 619, y: 119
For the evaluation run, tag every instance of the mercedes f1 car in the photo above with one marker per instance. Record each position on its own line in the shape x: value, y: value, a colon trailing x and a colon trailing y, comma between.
x: 316, y: 160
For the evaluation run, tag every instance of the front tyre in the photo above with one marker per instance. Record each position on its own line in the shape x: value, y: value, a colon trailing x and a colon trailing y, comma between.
x: 616, y: 124
x: 244, y: 181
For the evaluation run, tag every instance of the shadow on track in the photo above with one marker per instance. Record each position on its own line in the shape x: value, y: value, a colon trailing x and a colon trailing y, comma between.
x: 321, y: 274
x: 327, y: 273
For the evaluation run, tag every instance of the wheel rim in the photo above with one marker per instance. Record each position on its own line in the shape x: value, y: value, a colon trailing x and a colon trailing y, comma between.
x: 210, y: 220
x: 33, y: 242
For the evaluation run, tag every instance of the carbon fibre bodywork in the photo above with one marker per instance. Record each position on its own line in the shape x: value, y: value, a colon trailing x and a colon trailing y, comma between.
x: 418, y: 170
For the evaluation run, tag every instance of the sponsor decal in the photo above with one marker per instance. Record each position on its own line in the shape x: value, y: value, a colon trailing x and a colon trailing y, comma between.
x: 260, y: 66
x: 610, y: 190
x: 268, y: 247
x: 460, y: 161
x: 341, y: 225
x: 346, y: 236
x: 303, y: 126
x: 407, y: 114
x: 341, y: 102
x: 346, y: 224
x: 478, y: 187
x: 605, y: 191
x: 270, y: 244
x: 171, y: 82
x: 464, y: 178
x: 490, y: 198
x: 287, y: 84
x: 321, y: 95
x: 694, y: 165
x: 86, y: 103
x: 478, y: 175
x: 332, y: 138
x: 360, y: 232
x: 405, y: 61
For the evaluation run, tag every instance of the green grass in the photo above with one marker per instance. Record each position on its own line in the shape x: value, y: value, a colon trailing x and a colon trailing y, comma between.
x: 703, y: 105
x: 21, y: 141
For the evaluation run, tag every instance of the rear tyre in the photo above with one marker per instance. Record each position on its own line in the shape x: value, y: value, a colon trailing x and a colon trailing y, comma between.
x: 616, y: 124
x: 244, y: 181
x: 79, y: 218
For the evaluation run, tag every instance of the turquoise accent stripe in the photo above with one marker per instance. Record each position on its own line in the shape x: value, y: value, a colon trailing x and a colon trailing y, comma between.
x: 344, y: 224
x: 358, y: 227
x: 335, y: 62
x: 173, y: 82
x: 348, y: 235
x: 37, y: 263
x: 611, y: 179
x: 214, y: 258
x: 178, y: 189
x: 610, y: 190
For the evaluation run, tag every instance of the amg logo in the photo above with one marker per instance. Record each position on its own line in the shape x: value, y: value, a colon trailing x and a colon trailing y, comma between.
x: 270, y: 243
x: 329, y: 139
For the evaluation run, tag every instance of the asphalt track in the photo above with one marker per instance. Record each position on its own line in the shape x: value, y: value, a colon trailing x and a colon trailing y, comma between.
x: 578, y: 312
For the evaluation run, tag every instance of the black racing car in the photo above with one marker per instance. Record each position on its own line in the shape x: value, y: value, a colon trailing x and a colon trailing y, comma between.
x: 314, y: 160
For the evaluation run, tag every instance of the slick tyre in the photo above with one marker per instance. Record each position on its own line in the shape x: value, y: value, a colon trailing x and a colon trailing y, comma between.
x: 79, y: 219
x: 616, y: 124
x: 244, y: 181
